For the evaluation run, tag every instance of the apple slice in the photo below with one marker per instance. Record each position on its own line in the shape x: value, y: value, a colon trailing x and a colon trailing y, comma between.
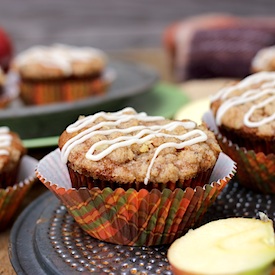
x: 233, y: 246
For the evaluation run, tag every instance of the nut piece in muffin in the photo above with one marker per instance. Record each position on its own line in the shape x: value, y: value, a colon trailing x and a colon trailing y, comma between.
x: 11, y: 153
x: 133, y: 150
x: 245, y: 112
x: 60, y: 73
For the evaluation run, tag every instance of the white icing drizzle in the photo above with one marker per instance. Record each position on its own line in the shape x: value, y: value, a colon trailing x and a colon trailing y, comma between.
x: 267, y: 87
x: 265, y: 120
x: 253, y: 79
x: 58, y: 55
x: 138, y: 134
x: 5, y: 140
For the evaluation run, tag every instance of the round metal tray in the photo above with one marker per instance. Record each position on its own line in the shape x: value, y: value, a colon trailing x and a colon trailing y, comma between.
x: 130, y: 80
x: 46, y: 240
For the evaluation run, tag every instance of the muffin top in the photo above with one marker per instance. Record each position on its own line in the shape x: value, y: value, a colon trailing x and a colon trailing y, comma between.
x: 248, y: 106
x: 11, y: 149
x: 131, y: 147
x: 264, y: 60
x: 58, y: 61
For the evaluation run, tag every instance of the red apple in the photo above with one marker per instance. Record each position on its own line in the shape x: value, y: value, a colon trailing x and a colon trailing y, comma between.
x: 6, y: 49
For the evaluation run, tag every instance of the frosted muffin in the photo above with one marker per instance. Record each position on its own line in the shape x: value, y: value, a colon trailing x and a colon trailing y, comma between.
x: 245, y: 112
x: 17, y: 175
x: 60, y: 73
x: 264, y: 60
x: 126, y: 149
x: 244, y: 115
x: 133, y: 179
x: 11, y: 153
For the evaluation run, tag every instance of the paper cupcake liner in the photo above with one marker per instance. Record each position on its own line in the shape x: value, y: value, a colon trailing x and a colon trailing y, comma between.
x: 255, y: 144
x: 256, y: 170
x: 57, y: 91
x: 79, y: 181
x: 12, y: 196
x: 131, y: 217
x: 8, y: 178
x: 10, y: 90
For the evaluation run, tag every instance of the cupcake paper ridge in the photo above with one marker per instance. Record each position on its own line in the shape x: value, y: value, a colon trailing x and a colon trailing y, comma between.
x: 12, y: 196
x: 68, y: 188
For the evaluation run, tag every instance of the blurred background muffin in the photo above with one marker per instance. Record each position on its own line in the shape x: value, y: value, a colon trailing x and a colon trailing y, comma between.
x: 60, y: 72
x: 244, y: 114
x: 216, y: 45
x: 264, y: 60
x: 16, y: 175
x: 11, y: 152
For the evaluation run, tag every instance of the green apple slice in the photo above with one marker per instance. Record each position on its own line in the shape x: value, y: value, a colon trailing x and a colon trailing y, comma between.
x: 233, y: 246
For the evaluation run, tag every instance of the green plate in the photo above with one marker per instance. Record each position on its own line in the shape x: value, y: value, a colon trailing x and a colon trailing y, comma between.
x: 163, y: 99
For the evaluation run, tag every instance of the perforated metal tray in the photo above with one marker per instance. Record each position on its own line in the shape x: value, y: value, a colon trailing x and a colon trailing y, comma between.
x: 46, y: 240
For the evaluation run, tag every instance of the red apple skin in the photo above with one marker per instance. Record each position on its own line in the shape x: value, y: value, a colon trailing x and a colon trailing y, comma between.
x: 6, y: 50
x: 177, y: 271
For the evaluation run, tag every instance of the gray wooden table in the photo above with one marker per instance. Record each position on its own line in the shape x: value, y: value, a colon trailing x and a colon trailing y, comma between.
x: 109, y: 24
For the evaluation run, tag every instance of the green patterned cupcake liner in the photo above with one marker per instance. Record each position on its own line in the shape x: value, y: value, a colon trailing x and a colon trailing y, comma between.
x: 257, y: 170
x: 11, y: 197
x: 131, y: 217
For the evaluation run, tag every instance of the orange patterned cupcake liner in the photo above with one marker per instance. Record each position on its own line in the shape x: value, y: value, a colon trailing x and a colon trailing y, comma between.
x: 131, y: 217
x: 12, y: 196
x: 57, y: 91
x: 256, y: 170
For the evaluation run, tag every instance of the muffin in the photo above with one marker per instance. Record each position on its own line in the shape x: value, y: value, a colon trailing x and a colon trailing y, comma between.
x: 11, y: 152
x: 226, y: 246
x: 59, y: 73
x: 133, y: 179
x: 17, y: 175
x: 126, y: 149
x: 244, y: 115
x: 264, y: 60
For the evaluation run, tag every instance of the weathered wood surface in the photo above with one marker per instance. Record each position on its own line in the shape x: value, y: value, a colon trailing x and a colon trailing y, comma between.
x: 110, y: 25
